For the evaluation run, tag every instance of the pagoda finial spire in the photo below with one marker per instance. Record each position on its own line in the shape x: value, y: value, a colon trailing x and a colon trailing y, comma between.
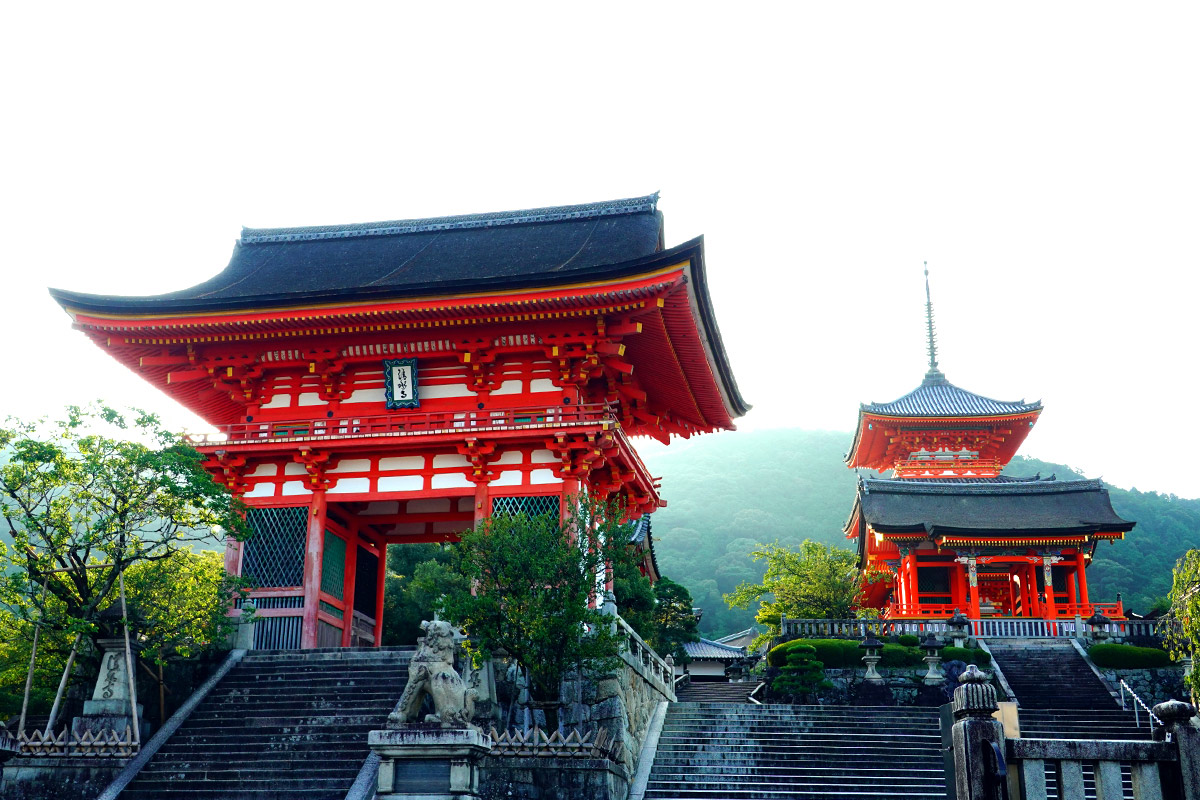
x: 934, y: 373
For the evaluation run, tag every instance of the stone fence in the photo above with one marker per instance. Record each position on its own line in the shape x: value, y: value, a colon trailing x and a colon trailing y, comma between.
x: 1142, y: 631
x: 1166, y: 768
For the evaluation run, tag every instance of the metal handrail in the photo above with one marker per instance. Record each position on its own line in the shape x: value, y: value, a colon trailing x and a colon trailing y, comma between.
x: 1137, y: 701
x: 757, y: 689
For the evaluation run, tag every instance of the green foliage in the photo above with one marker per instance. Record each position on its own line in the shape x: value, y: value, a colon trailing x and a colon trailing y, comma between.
x: 97, y: 488
x: 802, y: 673
x: 897, y: 655
x: 635, y: 599
x: 967, y: 656
x: 674, y: 622
x: 417, y: 577
x: 1124, y: 656
x: 533, y: 578
x: 811, y: 581
x: 1183, y: 622
x: 908, y: 640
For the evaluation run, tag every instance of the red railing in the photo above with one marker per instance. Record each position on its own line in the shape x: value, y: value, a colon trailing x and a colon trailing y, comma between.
x: 1062, y: 611
x: 404, y: 423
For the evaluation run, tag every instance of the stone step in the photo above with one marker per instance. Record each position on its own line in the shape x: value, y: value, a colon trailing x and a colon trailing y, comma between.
x: 686, y: 792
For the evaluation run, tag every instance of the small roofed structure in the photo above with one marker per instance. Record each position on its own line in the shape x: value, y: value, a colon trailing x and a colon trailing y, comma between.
x: 709, y: 659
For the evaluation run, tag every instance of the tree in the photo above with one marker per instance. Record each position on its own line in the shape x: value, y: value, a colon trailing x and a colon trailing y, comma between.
x: 1182, y: 623
x: 418, y: 575
x: 533, y: 578
x: 674, y: 620
x: 106, y: 488
x: 815, y: 581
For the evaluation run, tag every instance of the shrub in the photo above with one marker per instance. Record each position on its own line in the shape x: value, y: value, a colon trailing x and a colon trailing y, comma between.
x: 909, y: 640
x: 979, y: 658
x: 1125, y: 656
x: 833, y: 653
x: 803, y: 673
x: 896, y: 655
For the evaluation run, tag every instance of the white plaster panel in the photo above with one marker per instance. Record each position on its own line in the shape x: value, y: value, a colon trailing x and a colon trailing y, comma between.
x: 429, y: 505
x: 543, y: 457
x: 449, y: 461
x: 409, y: 528
x: 542, y: 385
x: 264, y: 470
x: 292, y: 468
x: 401, y: 462
x: 451, y: 480
x: 450, y: 527
x: 509, y: 387
x: 295, y: 487
x: 352, y: 465
x: 382, y: 507
x: 310, y: 399
x: 466, y: 503
x: 426, y: 392
x: 366, y: 396
x: 351, y: 486
x: 401, y: 483
x: 542, y: 476
x: 510, y: 477
x: 264, y: 489
x: 509, y: 457
x: 278, y: 401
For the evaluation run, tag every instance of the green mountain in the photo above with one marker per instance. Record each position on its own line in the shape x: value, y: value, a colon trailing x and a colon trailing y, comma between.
x: 729, y: 492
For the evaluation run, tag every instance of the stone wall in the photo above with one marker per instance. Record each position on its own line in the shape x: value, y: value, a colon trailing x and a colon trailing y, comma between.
x: 58, y: 778
x: 902, y: 686
x: 535, y: 778
x: 1156, y: 685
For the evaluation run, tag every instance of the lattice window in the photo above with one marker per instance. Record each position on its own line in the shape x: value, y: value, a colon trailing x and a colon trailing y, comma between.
x: 274, y: 555
x: 333, y: 566
x: 529, y: 506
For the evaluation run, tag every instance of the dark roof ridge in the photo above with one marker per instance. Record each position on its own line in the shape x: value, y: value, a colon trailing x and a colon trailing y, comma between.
x: 631, y: 205
x: 894, y: 486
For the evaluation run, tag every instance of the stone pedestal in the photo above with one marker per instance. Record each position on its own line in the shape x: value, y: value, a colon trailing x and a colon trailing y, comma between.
x: 109, y: 708
x: 426, y: 761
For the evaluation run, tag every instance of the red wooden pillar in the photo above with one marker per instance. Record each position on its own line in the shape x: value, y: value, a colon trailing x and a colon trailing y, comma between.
x: 1072, y: 588
x: 1030, y: 581
x: 1050, y: 609
x: 233, y: 556
x: 351, y: 574
x: 312, y: 568
x: 380, y: 579
x: 1080, y: 571
x: 973, y: 611
x: 483, y: 502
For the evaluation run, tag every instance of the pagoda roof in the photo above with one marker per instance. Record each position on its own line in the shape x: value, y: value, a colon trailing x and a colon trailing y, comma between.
x: 282, y: 267
x: 1009, y: 507
x: 937, y: 397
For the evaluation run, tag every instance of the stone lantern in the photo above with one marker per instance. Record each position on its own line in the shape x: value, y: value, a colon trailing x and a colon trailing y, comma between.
x: 933, y: 658
x: 872, y: 648
x: 1099, y: 626
x: 959, y: 625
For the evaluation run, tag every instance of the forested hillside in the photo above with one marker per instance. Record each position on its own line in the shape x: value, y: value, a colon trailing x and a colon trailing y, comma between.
x: 726, y: 493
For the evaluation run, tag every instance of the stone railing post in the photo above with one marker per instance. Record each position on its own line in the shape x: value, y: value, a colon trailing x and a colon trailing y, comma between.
x: 978, y: 739
x: 871, y: 648
x: 1179, y: 720
x: 243, y: 637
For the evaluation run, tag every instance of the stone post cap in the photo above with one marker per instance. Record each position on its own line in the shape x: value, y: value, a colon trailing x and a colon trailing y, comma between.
x: 975, y: 696
x: 1098, y: 619
x: 1174, y: 712
x: 932, y: 643
x: 869, y: 642
x: 669, y: 660
x: 959, y: 620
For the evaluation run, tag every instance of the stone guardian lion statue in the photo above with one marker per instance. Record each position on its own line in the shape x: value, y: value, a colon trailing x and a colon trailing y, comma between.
x: 432, y: 672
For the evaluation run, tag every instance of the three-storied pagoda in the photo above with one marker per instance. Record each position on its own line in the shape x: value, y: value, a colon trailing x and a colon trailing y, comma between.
x: 947, y: 530
x: 396, y: 382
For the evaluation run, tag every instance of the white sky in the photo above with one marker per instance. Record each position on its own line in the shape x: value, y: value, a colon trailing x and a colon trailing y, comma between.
x: 1042, y: 157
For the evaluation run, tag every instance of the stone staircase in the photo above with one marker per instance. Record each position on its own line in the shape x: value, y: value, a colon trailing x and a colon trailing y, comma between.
x: 1060, y: 696
x: 282, y: 724
x: 784, y: 752
x: 715, y: 692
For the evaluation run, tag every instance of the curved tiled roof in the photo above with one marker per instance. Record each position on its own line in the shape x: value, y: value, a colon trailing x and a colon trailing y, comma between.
x: 708, y: 649
x: 937, y: 397
x: 296, y: 266
x: 1030, y: 505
